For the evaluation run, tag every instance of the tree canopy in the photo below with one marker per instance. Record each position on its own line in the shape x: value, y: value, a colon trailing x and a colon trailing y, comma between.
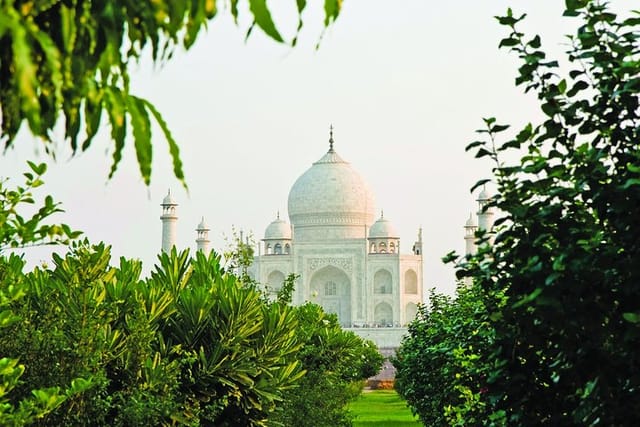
x: 557, y: 293
x: 67, y: 62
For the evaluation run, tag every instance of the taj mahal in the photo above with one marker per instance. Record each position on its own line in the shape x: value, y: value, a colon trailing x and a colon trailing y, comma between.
x: 348, y: 258
x: 347, y: 261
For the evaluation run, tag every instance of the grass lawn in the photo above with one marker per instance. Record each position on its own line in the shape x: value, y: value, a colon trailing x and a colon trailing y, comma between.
x: 381, y: 408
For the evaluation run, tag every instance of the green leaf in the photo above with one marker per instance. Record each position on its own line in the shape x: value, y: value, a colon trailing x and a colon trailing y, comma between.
x: 479, y: 183
x: 142, y: 135
x: 234, y: 10
x: 68, y: 28
x: 25, y: 71
x: 331, y: 10
x: 483, y: 152
x: 116, y: 110
x: 631, y: 317
x: 498, y: 128
x: 38, y: 169
x: 535, y: 42
x: 631, y: 182
x: 301, y: 5
x: 508, y: 42
x: 262, y: 17
x: 532, y: 296
x: 174, y: 150
x: 473, y: 145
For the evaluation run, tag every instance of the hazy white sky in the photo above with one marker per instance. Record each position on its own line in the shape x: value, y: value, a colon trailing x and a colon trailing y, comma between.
x: 404, y: 83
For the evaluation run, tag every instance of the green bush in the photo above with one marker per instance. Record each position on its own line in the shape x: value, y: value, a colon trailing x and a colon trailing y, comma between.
x: 189, y: 345
x: 442, y: 369
x: 336, y: 363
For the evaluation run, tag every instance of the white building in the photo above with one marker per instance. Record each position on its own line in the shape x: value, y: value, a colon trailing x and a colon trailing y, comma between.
x: 347, y: 262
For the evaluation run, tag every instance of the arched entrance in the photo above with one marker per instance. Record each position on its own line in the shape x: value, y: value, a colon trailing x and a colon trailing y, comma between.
x: 410, y: 282
x: 330, y: 287
x: 383, y: 314
x: 274, y: 282
x: 382, y: 282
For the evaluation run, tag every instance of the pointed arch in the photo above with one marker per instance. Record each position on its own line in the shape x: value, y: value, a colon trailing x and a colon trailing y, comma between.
x: 275, y: 281
x: 383, y: 314
x: 410, y: 282
x: 330, y: 287
x: 382, y: 282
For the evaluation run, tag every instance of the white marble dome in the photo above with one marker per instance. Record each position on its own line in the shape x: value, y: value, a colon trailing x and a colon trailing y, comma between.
x: 330, y: 200
x: 278, y: 230
x: 383, y: 229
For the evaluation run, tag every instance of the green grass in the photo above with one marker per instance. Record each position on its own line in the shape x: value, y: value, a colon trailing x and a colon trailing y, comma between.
x: 381, y: 408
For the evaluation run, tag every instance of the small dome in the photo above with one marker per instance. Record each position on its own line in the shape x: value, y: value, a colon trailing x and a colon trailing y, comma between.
x: 484, y: 194
x: 471, y: 222
x: 278, y: 229
x: 168, y: 200
x: 203, y: 225
x: 383, y: 228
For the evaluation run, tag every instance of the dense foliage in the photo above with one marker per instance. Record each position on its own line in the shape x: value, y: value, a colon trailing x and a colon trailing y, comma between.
x: 336, y: 364
x: 441, y: 365
x: 189, y: 345
x: 558, y: 292
x: 66, y: 62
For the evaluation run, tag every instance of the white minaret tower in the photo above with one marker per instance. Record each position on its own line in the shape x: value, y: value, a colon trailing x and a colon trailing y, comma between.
x: 485, y: 213
x: 417, y: 246
x: 169, y: 221
x: 203, y: 241
x: 470, y: 228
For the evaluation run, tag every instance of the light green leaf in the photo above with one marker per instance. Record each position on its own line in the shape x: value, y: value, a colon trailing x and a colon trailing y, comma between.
x: 331, y: 10
x: 68, y: 28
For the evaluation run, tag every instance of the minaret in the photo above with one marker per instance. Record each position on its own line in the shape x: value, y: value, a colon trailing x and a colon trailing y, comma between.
x: 203, y: 241
x: 470, y: 228
x: 485, y: 213
x: 417, y: 246
x: 169, y: 220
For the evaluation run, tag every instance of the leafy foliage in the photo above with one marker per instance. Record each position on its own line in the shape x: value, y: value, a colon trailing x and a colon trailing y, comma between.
x: 442, y: 370
x: 189, y: 345
x: 69, y: 59
x: 336, y: 362
x: 566, y: 250
x: 16, y: 231
x: 41, y: 401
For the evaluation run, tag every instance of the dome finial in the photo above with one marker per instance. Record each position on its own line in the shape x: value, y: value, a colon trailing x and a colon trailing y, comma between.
x: 331, y: 138
x: 278, y: 214
x: 381, y: 213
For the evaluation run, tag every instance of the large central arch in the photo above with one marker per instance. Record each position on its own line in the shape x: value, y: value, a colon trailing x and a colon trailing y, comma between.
x: 330, y: 287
